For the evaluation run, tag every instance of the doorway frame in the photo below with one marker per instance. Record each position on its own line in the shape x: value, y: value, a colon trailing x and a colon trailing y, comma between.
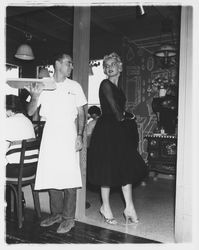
x: 183, y: 201
x: 183, y: 213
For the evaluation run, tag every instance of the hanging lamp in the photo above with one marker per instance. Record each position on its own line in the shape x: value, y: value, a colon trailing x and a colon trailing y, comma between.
x: 24, y: 51
x: 166, y: 51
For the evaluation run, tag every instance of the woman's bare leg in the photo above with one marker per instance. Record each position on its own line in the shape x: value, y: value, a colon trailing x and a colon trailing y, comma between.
x: 130, y: 209
x: 105, y: 208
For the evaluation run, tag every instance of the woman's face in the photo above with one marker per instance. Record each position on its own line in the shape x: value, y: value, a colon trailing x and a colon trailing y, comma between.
x: 112, y: 68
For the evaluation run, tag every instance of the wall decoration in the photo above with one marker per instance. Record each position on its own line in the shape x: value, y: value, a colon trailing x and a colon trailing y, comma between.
x: 131, y: 90
x: 137, y: 85
x: 135, y: 75
x: 150, y: 63
x: 163, y: 82
x: 130, y: 55
x: 140, y: 53
x: 160, y: 74
x: 132, y: 70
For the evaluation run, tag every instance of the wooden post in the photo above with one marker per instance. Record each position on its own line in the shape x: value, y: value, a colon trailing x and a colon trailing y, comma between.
x: 184, y: 175
x: 81, y: 42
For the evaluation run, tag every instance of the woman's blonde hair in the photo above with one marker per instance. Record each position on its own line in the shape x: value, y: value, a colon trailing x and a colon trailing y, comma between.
x: 112, y: 56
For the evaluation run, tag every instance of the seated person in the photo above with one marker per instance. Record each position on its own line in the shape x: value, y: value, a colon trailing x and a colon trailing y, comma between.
x: 18, y: 127
x: 94, y: 113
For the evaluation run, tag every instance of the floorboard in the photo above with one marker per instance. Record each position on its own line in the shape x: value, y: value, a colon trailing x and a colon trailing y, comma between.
x: 81, y: 233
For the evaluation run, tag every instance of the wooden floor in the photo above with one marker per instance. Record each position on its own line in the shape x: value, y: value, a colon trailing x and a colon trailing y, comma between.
x: 81, y: 233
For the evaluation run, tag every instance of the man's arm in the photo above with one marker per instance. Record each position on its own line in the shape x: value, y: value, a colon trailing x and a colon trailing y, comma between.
x: 32, y: 106
x: 81, y: 121
x: 35, y: 92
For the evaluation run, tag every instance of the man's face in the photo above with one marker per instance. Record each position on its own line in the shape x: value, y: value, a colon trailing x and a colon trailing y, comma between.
x: 66, y: 66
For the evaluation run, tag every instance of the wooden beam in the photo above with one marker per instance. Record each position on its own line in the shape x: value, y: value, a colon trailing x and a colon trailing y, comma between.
x: 81, y: 41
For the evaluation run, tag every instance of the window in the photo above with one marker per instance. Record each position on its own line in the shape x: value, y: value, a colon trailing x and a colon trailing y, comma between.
x: 50, y: 69
x: 94, y: 83
x: 12, y: 71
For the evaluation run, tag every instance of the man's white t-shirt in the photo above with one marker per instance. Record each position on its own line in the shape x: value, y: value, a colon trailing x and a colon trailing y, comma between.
x: 74, y: 91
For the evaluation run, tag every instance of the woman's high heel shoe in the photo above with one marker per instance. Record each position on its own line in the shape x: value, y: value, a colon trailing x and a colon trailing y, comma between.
x: 111, y: 221
x: 130, y: 219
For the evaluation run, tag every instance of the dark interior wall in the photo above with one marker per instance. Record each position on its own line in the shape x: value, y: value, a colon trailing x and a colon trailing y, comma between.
x: 28, y: 70
x: 99, y: 49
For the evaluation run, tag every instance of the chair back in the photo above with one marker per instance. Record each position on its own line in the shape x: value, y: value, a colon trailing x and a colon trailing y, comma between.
x: 27, y: 166
x: 38, y: 127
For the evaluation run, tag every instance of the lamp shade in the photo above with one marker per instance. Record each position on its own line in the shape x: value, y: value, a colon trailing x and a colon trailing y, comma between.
x: 166, y: 50
x: 24, y: 52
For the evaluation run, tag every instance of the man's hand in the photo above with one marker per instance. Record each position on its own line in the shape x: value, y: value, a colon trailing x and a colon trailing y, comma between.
x: 79, y: 143
x: 35, y: 89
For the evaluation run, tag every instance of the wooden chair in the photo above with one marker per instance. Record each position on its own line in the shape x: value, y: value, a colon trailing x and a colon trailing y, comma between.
x: 38, y: 127
x: 23, y: 174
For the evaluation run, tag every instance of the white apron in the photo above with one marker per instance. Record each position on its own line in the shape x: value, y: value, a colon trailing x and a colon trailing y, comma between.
x: 58, y: 165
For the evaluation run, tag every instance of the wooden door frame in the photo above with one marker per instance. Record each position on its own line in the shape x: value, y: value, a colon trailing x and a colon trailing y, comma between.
x: 183, y: 215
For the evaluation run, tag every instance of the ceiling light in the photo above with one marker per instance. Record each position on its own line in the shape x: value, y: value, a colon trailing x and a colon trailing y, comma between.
x: 24, y: 51
x: 166, y: 50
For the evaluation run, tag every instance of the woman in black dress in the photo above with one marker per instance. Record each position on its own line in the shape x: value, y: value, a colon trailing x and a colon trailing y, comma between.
x: 114, y: 159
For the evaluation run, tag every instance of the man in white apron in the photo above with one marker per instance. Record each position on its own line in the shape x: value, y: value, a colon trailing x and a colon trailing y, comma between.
x: 58, y: 167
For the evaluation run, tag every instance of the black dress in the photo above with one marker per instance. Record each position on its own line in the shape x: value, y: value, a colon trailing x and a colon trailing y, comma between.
x: 113, y: 157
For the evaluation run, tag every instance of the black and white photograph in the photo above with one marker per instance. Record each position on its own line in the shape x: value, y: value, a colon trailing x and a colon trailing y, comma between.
x: 99, y: 113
